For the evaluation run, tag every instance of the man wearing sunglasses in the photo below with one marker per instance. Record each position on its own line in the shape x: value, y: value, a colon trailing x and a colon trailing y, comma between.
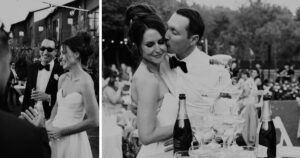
x: 42, y: 80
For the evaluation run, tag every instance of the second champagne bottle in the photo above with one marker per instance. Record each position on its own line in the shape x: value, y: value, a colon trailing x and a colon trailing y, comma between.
x: 182, y: 134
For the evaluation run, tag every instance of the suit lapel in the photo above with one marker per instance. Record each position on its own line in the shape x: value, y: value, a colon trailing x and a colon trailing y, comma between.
x: 49, y: 85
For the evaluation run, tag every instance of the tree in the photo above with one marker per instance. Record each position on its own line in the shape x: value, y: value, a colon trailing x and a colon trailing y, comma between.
x: 298, y: 14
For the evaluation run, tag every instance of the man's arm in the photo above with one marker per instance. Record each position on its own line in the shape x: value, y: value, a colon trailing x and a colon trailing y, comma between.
x: 45, y: 148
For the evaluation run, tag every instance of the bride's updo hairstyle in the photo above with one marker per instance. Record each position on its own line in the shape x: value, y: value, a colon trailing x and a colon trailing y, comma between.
x: 80, y: 43
x: 139, y: 18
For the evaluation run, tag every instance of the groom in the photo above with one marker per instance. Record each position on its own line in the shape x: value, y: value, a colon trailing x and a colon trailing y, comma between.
x: 187, y: 69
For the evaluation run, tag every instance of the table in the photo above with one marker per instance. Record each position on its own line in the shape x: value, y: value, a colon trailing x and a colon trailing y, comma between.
x: 282, y: 151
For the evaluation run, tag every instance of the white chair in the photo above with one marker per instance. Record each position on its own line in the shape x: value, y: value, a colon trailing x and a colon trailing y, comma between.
x: 284, y: 136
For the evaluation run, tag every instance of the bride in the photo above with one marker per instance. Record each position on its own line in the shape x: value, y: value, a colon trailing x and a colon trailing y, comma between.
x: 156, y: 113
x: 75, y: 98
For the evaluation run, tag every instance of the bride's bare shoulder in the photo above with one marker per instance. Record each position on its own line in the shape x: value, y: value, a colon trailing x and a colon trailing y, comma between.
x: 143, y: 76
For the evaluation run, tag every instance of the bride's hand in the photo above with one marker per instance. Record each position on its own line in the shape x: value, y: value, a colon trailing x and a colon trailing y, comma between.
x: 169, y: 145
x: 54, y: 133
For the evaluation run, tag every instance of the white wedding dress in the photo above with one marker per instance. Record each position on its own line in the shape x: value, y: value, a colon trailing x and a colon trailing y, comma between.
x: 70, y: 111
x: 166, y: 116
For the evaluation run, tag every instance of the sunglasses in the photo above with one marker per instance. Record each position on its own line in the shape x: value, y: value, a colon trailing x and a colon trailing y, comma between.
x: 49, y: 49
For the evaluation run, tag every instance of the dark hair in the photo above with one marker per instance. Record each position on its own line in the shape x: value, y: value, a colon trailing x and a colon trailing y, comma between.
x: 196, y: 25
x: 81, y: 44
x: 257, y: 71
x: 139, y: 18
x: 4, y: 37
x: 112, y: 78
x: 246, y: 72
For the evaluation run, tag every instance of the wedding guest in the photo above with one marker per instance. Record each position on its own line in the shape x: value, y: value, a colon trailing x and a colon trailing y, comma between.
x: 18, y: 138
x: 257, y: 80
x: 291, y: 71
x: 249, y: 88
x: 260, y: 71
x: 129, y: 71
x: 42, y: 80
x: 112, y: 95
x: 234, y: 71
x: 123, y: 73
x: 13, y: 72
x: 114, y: 68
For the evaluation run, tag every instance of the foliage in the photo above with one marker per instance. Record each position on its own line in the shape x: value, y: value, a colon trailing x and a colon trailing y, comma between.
x: 258, y: 26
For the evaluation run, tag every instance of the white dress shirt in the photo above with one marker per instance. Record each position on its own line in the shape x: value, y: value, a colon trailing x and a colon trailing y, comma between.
x: 200, y: 83
x: 14, y: 73
x: 43, y: 78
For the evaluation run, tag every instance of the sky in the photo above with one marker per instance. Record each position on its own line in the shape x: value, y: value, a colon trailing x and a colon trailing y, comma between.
x: 235, y: 4
x: 13, y: 11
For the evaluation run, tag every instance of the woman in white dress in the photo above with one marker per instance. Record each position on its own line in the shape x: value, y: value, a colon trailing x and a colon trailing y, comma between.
x: 75, y: 99
x: 156, y: 108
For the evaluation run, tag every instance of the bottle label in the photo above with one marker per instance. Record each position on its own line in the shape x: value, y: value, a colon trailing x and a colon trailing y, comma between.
x: 262, y: 151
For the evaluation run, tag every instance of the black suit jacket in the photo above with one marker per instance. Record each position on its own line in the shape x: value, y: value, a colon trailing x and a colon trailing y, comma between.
x: 18, y: 138
x: 50, y: 89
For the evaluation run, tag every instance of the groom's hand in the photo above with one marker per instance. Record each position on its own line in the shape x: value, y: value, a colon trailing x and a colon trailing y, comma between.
x: 40, y: 96
x: 169, y: 145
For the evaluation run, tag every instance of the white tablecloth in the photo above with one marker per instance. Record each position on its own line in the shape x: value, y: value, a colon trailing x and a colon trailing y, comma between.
x: 111, y: 138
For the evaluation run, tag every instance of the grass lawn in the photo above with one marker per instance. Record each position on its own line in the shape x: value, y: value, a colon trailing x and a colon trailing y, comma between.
x: 289, y: 112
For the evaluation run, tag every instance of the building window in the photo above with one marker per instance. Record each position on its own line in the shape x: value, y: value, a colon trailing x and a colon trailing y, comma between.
x: 21, y: 34
x: 55, y: 28
x: 93, y: 17
x: 41, y: 28
x: 70, y: 21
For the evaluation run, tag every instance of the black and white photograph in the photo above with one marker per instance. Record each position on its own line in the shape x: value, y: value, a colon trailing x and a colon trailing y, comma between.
x: 49, y: 79
x: 199, y: 78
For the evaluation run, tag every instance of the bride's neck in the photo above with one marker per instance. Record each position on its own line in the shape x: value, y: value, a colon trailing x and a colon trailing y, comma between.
x: 152, y: 67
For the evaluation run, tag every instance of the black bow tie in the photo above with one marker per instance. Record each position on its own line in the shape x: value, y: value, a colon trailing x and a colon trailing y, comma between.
x: 175, y: 62
x: 46, y: 67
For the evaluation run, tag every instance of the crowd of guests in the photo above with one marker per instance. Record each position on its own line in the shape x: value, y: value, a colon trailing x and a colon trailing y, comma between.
x: 285, y: 85
x: 118, y: 110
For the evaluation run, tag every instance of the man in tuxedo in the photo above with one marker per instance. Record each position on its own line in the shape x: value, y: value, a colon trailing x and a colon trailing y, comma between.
x: 42, y: 80
x: 14, y: 74
x: 187, y: 69
x: 18, y: 138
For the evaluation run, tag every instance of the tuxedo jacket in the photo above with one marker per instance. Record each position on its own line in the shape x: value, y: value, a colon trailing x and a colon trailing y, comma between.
x: 18, y: 138
x: 200, y: 83
x: 51, y: 88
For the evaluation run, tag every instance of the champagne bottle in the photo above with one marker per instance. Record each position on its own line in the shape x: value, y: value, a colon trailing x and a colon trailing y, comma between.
x: 182, y: 133
x: 267, y: 133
